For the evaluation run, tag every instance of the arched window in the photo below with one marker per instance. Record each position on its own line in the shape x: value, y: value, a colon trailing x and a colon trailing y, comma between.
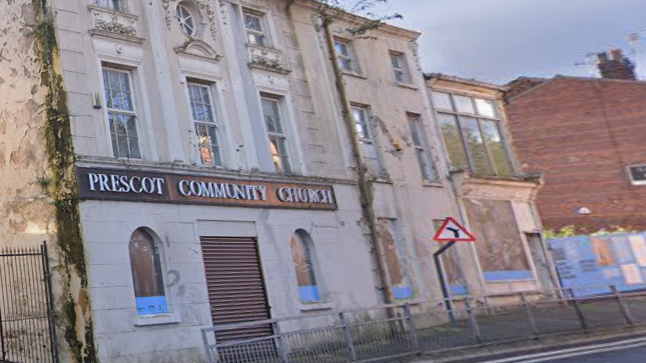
x: 302, y: 255
x: 147, y: 274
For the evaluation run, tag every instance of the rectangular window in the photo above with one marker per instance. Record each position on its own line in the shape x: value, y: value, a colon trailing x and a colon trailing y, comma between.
x: 254, y: 24
x: 420, y: 144
x: 361, y: 118
x: 400, y: 67
x: 366, y: 138
x: 276, y: 133
x: 472, y: 134
x: 122, y: 115
x: 499, y: 245
x: 204, y: 122
x: 116, y: 5
x: 393, y: 259
x: 345, y: 56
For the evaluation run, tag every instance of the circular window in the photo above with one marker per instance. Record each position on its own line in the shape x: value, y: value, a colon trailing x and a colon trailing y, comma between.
x: 186, y: 19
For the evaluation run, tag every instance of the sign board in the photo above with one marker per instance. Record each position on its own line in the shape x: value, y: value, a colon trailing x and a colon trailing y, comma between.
x: 143, y: 186
x: 637, y: 174
x: 452, y: 231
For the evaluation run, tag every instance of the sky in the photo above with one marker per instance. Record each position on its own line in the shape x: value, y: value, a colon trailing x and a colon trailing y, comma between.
x: 500, y: 40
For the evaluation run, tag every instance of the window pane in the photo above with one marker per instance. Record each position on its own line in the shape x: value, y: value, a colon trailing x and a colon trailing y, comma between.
x: 146, y: 274
x: 486, y: 108
x: 208, y: 144
x: 304, y: 266
x: 453, y: 140
x: 361, y: 122
x: 256, y: 39
x: 279, y: 153
x: 346, y: 64
x: 253, y: 22
x: 442, y: 101
x: 342, y: 49
x: 394, y: 60
x: 496, y: 147
x: 463, y: 104
x: 125, y: 142
x: 475, y: 146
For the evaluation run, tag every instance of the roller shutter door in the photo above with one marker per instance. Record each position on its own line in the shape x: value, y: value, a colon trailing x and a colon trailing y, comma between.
x: 236, y: 287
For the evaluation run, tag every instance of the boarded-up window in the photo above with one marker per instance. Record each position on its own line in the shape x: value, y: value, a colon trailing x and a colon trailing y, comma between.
x: 302, y: 255
x: 146, y: 274
x: 498, y: 241
x: 393, y: 261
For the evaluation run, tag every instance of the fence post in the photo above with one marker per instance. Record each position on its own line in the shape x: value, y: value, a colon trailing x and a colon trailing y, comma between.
x: 625, y: 312
x: 348, y: 337
x: 44, y: 251
x: 280, y: 343
x: 577, y: 310
x: 411, y: 328
x: 530, y: 315
x: 473, y: 321
x: 207, y: 347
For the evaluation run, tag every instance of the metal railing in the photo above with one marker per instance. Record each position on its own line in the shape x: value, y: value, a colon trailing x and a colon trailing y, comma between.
x: 392, y: 331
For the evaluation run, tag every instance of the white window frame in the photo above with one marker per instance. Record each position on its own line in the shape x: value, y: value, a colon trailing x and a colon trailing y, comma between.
x: 114, y: 5
x: 132, y: 113
x: 364, y: 124
x: 189, y: 9
x: 263, y: 33
x: 350, y: 57
x: 420, y: 144
x: 287, y: 155
x: 208, y: 86
x: 401, y: 69
x: 498, y: 120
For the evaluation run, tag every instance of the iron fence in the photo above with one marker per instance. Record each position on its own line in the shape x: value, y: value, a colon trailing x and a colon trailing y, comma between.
x: 27, y: 331
x: 392, y: 331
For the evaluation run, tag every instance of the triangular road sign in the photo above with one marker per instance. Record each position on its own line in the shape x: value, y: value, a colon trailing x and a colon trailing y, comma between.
x: 452, y: 231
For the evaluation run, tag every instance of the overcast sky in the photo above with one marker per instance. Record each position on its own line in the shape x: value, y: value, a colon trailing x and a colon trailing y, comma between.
x: 499, y: 40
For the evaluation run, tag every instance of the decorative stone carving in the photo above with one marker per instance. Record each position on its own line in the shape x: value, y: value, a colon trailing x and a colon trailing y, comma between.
x: 114, y: 22
x: 267, y: 58
x: 198, y: 48
x: 207, y: 16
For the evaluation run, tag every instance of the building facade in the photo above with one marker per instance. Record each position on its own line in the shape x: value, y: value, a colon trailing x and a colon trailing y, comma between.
x: 196, y: 170
x: 583, y: 134
x: 496, y: 200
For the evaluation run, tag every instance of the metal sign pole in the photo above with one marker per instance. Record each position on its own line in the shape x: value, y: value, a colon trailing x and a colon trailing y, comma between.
x: 442, y: 278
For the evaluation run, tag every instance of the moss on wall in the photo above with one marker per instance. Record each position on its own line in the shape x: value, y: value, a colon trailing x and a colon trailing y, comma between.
x: 62, y: 188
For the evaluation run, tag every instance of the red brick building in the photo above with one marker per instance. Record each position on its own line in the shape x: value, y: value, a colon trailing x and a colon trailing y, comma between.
x: 584, y: 134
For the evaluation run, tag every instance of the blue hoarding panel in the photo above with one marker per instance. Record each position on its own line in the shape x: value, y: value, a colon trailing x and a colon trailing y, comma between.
x: 309, y: 294
x: 152, y: 305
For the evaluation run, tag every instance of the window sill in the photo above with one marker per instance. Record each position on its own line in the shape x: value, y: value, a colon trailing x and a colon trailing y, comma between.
x: 432, y: 184
x: 158, y: 319
x: 407, y: 85
x: 355, y: 75
x: 318, y: 306
x: 115, y: 12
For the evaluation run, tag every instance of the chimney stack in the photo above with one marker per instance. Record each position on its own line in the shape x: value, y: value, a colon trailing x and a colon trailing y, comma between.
x: 616, y: 66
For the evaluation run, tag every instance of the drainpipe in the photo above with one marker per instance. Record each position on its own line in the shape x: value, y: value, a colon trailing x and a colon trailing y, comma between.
x: 366, y: 196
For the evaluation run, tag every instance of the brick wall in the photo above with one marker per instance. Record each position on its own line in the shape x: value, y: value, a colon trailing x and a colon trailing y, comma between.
x: 582, y: 134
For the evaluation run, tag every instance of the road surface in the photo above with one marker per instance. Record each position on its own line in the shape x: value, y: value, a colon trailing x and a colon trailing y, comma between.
x: 623, y: 351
